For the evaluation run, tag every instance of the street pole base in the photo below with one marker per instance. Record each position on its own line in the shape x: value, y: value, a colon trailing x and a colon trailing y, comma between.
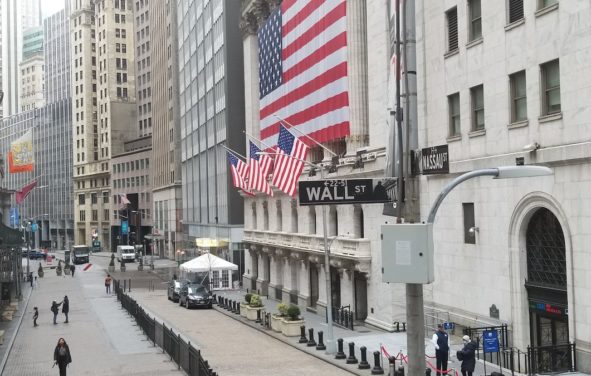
x: 331, y: 346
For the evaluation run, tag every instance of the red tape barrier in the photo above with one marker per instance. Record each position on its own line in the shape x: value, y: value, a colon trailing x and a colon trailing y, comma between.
x: 400, y: 355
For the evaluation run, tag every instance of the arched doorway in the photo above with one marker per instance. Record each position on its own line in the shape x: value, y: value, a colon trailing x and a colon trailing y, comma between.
x: 546, y: 286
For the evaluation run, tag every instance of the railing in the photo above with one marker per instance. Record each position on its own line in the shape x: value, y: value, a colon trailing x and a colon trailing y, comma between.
x: 555, y: 358
x: 183, y: 353
x: 343, y: 316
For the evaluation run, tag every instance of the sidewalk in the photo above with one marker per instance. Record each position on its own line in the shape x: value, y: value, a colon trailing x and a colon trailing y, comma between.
x: 102, y: 337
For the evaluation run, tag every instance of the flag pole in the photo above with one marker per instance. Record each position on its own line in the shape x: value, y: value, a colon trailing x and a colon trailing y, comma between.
x: 305, y: 135
x: 259, y: 141
x: 234, y: 152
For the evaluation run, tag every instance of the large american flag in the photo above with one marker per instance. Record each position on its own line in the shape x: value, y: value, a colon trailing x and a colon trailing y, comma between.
x: 303, y: 69
x: 289, y: 162
x: 259, y: 170
x: 239, y: 171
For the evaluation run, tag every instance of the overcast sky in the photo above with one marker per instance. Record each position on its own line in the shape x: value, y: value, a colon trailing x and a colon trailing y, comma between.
x: 49, y: 7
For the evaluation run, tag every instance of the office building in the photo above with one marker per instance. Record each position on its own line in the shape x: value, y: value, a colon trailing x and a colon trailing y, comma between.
x: 32, y: 69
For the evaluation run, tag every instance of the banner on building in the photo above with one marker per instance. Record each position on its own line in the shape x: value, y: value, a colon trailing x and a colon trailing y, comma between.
x: 21, y: 157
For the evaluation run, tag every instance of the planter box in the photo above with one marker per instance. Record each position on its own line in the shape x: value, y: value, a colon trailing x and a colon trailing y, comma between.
x: 277, y: 323
x: 291, y: 328
x: 251, y: 313
x: 243, y: 309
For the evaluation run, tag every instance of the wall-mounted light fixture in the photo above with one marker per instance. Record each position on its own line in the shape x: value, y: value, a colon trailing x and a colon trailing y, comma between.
x: 531, y: 147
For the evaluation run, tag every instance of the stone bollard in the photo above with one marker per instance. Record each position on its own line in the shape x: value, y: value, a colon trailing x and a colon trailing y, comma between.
x: 363, y: 364
x: 320, y: 341
x: 340, y: 354
x: 352, y: 359
x: 303, y: 338
x: 311, y: 341
x: 377, y: 368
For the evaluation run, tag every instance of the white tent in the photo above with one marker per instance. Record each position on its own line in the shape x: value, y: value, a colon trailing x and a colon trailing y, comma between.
x: 220, y: 269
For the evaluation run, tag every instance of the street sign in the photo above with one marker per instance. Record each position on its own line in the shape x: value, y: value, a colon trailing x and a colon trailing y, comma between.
x: 449, y: 325
x: 431, y: 160
x: 351, y: 191
x: 124, y: 227
x: 490, y: 341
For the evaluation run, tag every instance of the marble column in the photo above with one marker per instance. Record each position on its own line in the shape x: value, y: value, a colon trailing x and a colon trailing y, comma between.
x: 347, y: 288
x: 357, y: 68
x: 303, y: 283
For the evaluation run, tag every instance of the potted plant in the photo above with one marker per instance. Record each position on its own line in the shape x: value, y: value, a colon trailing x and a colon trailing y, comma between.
x: 255, y: 305
x: 112, y: 263
x: 40, y: 271
x: 58, y: 270
x: 277, y: 318
x: 245, y: 304
x: 291, y: 323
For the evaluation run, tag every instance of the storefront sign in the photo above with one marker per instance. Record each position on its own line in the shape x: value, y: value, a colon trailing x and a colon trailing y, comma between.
x: 352, y: 191
x: 548, y: 308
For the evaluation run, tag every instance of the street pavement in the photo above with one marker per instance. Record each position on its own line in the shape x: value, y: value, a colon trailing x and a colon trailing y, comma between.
x: 103, y: 338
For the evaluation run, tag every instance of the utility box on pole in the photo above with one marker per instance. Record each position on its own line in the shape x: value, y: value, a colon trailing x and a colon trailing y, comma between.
x: 407, y: 253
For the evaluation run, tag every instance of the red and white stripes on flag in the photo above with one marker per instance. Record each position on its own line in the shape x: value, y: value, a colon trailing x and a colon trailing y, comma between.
x: 239, y: 171
x: 303, y: 69
x: 290, y: 161
x: 258, y: 170
x: 124, y: 199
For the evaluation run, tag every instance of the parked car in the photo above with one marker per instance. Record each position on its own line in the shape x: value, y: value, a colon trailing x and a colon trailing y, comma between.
x: 36, y: 254
x: 195, y: 295
x: 174, y: 289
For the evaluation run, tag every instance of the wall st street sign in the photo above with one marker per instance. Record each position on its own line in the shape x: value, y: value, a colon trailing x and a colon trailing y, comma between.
x: 352, y: 191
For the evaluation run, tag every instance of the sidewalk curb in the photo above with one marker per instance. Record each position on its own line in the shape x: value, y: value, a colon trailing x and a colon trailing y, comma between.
x: 280, y: 338
x: 18, y: 327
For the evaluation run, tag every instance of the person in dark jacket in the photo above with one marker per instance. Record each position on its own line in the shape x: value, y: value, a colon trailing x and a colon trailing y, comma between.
x: 61, y: 356
x: 35, y: 316
x: 66, y: 307
x: 468, y: 356
x: 441, y: 342
x: 55, y: 309
x: 72, y: 270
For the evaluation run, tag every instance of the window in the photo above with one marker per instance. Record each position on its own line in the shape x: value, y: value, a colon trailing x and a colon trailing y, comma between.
x: 546, y: 3
x: 475, y: 31
x: 477, y: 99
x: 515, y: 10
x: 82, y: 215
x: 454, y: 114
x: 93, y: 198
x: 81, y: 199
x: 95, y: 215
x: 469, y: 225
x: 452, y: 29
x: 518, y: 97
x: 106, y: 214
x: 105, y: 197
x: 550, y: 87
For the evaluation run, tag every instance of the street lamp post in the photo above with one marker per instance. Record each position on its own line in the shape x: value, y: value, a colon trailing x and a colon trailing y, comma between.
x: 330, y: 342
x: 414, y: 292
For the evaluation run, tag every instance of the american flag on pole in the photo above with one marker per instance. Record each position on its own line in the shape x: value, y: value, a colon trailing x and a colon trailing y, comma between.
x: 290, y: 161
x: 239, y: 171
x: 258, y: 170
x: 124, y: 199
x: 303, y: 69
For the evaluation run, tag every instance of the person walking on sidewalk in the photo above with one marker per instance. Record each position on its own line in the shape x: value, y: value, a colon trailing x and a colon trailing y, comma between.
x: 441, y: 341
x: 467, y: 356
x: 72, y: 269
x: 35, y: 316
x: 108, y: 283
x: 61, y: 356
x: 66, y: 307
x: 55, y: 309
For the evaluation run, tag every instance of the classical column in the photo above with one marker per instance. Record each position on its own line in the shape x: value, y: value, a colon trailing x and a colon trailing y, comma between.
x: 357, y: 68
x: 303, y: 282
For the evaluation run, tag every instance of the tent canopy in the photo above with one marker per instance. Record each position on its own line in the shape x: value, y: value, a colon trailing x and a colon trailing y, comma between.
x: 207, y: 262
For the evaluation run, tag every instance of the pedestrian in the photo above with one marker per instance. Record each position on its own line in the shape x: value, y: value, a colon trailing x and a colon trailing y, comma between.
x: 35, y: 316
x: 66, y: 307
x: 61, y: 356
x: 31, y: 278
x: 467, y: 356
x: 72, y: 269
x: 441, y: 341
x: 35, y: 284
x: 108, y: 283
x: 55, y: 309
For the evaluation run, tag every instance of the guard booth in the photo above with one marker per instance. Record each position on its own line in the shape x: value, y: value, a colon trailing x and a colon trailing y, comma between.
x: 67, y: 256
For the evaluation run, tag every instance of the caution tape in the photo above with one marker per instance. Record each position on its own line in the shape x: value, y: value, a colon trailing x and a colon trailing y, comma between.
x: 401, y: 356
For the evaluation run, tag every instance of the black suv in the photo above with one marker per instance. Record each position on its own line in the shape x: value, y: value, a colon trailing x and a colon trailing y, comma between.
x: 195, y: 295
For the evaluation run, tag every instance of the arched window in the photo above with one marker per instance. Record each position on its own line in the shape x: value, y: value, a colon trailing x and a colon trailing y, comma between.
x: 358, y: 224
x: 333, y: 222
x: 312, y: 220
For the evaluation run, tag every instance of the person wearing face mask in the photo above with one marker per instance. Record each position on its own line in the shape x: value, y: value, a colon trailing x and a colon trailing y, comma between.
x: 61, y: 356
x: 467, y: 356
x: 441, y: 342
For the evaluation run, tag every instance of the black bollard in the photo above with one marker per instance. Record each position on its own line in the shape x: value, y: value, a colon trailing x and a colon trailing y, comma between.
x: 377, y: 368
x: 303, y: 338
x: 363, y: 364
x: 400, y: 370
x: 427, y: 371
x: 320, y: 341
x: 397, y: 327
x: 340, y: 354
x: 311, y: 341
x: 352, y: 359
x: 404, y: 327
x: 238, y: 308
x: 258, y: 320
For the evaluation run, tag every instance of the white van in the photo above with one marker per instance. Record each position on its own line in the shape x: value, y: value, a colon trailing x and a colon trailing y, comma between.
x: 125, y: 253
